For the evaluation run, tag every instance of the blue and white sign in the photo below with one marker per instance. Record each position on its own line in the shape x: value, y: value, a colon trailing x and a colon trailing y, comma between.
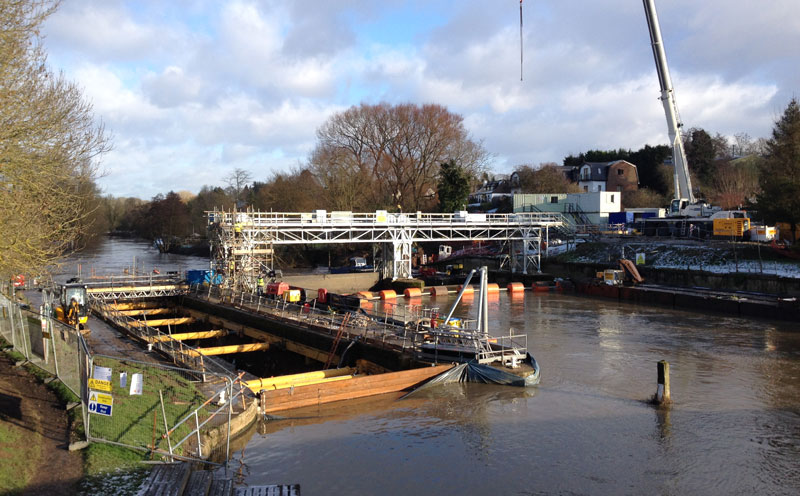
x: 100, y: 403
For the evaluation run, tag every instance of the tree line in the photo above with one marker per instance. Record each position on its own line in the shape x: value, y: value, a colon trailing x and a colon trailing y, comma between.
x: 49, y: 144
x: 357, y: 165
x: 404, y: 157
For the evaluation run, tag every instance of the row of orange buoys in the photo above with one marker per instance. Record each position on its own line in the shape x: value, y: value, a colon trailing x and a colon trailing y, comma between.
x: 436, y: 291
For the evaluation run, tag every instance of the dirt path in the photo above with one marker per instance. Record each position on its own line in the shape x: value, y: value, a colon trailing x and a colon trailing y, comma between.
x: 37, y: 438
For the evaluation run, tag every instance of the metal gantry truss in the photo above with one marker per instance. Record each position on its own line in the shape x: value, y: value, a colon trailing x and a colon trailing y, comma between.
x: 242, y: 243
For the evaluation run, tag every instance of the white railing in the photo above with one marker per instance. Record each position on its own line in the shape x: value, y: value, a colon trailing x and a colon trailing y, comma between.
x: 245, y: 220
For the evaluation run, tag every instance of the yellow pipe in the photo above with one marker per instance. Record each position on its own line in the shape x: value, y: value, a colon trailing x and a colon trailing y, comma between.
x: 189, y: 335
x: 268, y: 382
x: 162, y: 322
x: 285, y: 385
x: 147, y: 311
x: 136, y: 305
x: 224, y: 350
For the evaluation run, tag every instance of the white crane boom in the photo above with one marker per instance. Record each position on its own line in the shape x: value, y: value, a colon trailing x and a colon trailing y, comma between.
x: 683, y: 183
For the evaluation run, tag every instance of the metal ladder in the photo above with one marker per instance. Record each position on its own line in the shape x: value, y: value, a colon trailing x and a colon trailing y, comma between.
x: 336, y: 340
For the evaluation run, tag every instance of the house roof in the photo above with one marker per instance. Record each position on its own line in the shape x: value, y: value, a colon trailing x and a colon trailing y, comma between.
x: 599, y: 170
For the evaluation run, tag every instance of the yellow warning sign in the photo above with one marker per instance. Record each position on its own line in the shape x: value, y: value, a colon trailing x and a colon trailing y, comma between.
x: 103, y: 399
x: 99, y: 384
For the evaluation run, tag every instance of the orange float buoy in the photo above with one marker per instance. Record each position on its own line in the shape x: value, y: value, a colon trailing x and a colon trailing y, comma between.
x: 364, y: 294
x: 388, y: 294
x: 468, y: 290
x: 412, y: 293
x: 514, y: 287
x: 492, y: 288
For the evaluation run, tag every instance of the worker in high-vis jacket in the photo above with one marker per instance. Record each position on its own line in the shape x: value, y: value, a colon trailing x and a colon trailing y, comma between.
x: 260, y: 285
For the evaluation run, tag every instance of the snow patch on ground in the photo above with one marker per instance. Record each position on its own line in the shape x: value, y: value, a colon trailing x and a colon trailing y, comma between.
x: 699, y: 257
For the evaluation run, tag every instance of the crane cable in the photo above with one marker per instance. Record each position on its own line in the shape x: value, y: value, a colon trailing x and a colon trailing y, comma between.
x: 520, y: 40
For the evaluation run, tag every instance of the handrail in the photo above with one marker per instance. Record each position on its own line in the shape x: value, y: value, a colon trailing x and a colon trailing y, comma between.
x: 253, y: 219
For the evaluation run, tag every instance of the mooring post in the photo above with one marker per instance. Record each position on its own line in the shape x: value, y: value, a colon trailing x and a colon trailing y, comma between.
x: 662, y: 393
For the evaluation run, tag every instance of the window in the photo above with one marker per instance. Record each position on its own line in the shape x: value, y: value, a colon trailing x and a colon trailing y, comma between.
x: 553, y: 199
x: 612, y: 198
x: 599, y: 187
x: 586, y: 189
x: 620, y: 172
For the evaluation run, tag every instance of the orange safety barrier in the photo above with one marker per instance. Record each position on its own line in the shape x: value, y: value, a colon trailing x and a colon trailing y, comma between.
x: 492, y: 288
x: 514, y: 287
x: 412, y: 293
x: 388, y: 294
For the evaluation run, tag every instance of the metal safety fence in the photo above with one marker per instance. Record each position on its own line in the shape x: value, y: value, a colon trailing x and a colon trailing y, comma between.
x: 180, y: 353
x: 393, y: 327
x: 44, y: 342
x: 170, y: 411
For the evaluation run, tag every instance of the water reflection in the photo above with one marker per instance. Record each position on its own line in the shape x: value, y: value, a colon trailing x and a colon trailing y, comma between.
x: 734, y: 426
x: 587, y: 429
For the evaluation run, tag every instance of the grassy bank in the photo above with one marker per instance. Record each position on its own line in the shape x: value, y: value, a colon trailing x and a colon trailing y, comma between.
x: 108, y: 469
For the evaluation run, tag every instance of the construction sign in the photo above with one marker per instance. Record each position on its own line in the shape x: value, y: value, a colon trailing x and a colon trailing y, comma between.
x: 640, y: 259
x: 100, y: 385
x: 100, y: 403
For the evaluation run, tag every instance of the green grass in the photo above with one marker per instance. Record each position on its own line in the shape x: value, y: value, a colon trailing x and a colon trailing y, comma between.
x: 138, y: 420
x: 132, y: 422
x: 16, y: 452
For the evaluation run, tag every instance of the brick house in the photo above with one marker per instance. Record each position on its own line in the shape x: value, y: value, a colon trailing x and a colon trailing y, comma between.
x: 619, y: 175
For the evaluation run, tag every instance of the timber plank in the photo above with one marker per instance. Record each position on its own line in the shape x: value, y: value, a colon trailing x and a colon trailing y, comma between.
x: 221, y: 487
x: 165, y: 480
x: 294, y: 347
x: 162, y: 322
x: 274, y: 490
x: 199, y: 483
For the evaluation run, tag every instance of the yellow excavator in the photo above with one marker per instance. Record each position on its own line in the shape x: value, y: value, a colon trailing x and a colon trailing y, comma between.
x: 73, y: 306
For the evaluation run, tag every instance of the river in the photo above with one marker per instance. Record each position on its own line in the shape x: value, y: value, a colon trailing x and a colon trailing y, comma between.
x: 733, y: 428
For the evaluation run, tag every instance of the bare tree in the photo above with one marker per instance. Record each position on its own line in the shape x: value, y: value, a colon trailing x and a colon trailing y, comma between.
x: 391, y: 154
x: 547, y: 178
x: 49, y: 143
x: 237, y: 181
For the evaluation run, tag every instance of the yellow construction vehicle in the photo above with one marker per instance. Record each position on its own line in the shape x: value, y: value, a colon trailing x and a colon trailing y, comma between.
x: 73, y: 306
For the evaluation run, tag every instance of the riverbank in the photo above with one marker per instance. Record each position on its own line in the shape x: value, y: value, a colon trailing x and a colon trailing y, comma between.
x: 34, y: 435
x: 717, y: 265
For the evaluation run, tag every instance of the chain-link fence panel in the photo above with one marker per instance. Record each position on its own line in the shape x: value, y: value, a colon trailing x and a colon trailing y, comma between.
x: 168, y: 411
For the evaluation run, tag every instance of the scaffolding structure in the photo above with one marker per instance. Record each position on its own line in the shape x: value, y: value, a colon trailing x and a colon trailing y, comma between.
x: 242, y: 243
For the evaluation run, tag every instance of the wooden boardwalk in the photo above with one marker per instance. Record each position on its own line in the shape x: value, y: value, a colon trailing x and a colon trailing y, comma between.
x: 178, y: 479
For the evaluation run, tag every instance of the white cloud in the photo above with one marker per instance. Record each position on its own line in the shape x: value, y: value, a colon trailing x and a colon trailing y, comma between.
x: 194, y: 89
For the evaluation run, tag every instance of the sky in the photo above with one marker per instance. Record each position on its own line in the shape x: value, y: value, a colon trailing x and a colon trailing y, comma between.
x: 191, y: 90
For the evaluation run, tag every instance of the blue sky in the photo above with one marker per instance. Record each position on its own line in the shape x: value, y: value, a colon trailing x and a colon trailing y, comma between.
x: 193, y: 89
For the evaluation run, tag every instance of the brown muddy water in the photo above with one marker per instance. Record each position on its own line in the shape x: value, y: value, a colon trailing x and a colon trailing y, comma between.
x: 734, y: 426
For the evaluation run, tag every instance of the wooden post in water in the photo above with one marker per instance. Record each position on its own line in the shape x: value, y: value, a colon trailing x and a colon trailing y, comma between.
x: 662, y: 396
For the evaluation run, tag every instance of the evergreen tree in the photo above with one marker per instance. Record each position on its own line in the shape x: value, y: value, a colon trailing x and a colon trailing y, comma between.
x: 779, y: 200
x: 700, y: 154
x: 453, y: 187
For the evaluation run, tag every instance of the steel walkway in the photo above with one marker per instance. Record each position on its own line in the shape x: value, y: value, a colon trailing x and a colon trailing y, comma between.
x: 242, y: 242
